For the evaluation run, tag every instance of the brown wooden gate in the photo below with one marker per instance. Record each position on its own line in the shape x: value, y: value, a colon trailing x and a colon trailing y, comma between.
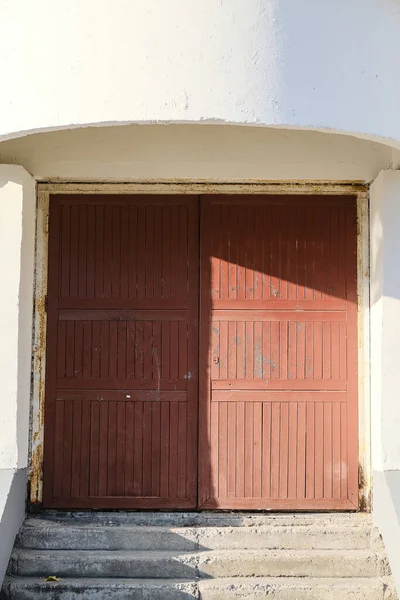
x: 275, y: 369
x: 121, y: 375
x: 278, y: 406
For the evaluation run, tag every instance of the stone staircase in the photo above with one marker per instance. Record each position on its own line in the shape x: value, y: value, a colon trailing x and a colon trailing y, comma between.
x: 209, y: 556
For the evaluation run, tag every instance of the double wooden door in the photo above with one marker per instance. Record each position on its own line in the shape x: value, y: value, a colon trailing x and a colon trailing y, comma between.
x: 201, y: 352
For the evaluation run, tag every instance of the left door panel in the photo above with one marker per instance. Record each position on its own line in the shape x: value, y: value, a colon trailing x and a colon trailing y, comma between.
x: 122, y: 352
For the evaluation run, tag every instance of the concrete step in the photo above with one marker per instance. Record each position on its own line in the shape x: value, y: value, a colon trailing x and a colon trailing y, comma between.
x: 213, y: 589
x: 56, y: 535
x: 203, y: 519
x: 207, y: 564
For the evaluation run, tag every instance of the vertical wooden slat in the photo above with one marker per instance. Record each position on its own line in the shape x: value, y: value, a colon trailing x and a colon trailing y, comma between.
x: 74, y: 253
x: 310, y: 450
x: 175, y: 250
x: 258, y: 350
x: 58, y: 449
x: 61, y: 348
x: 76, y: 436
x: 309, y: 253
x: 223, y: 449
x: 121, y: 448
x: 65, y: 252
x: 147, y: 448
x: 149, y: 276
x: 328, y: 455
x: 139, y: 350
x: 223, y: 350
x: 284, y: 451
x: 275, y: 447
x: 182, y: 458
x: 326, y: 352
x: 240, y: 460
x: 275, y: 350
x: 82, y: 251
x: 129, y: 449
x: 164, y: 449
x: 148, y: 351
x: 158, y: 253
x: 94, y: 448
x: 78, y: 350
x: 105, y: 349
x: 141, y: 253
x: 249, y: 249
x: 130, y: 349
x: 283, y: 349
x: 173, y: 449
x: 301, y: 450
x: 249, y: 349
x: 293, y: 443
x: 344, y: 480
x: 99, y: 252
x: 319, y: 450
x: 112, y: 449
x: 67, y: 449
x: 133, y: 254
x: 87, y: 349
x: 124, y: 278
x: 103, y: 449
x: 166, y: 267
x: 224, y: 263
x: 336, y: 459
x: 174, y: 350
x: 107, y: 252
x: 156, y: 448
x: 85, y: 451
x: 231, y: 449
x: 214, y: 450
x: 301, y: 361
x: 113, y: 355
x: 266, y: 450
x: 116, y: 253
x: 240, y: 350
x: 257, y: 452
x: 293, y: 349
x: 233, y: 253
x: 138, y: 450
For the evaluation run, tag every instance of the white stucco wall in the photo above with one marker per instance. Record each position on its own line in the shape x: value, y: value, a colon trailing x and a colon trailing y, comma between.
x: 385, y: 360
x: 196, y: 152
x: 310, y: 64
x: 17, y: 227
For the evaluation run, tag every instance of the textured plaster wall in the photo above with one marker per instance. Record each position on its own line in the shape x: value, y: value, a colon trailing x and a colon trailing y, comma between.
x: 310, y: 64
x: 385, y: 360
x: 17, y: 239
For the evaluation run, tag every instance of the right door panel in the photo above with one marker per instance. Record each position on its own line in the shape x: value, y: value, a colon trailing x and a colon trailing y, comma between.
x: 278, y: 394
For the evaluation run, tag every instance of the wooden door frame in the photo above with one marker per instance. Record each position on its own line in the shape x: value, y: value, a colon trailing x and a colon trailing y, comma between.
x: 44, y: 190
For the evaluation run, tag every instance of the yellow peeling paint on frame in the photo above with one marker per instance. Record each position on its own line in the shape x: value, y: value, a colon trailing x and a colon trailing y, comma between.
x: 184, y: 187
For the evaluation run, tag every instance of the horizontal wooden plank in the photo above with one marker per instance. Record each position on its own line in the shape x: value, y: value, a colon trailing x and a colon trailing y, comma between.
x: 279, y: 504
x: 264, y: 315
x: 122, y: 304
x: 122, y: 315
x: 279, y: 200
x: 279, y: 384
x: 122, y: 199
x: 277, y: 396
x: 122, y: 395
x: 334, y: 304
x: 121, y: 384
x: 124, y: 502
